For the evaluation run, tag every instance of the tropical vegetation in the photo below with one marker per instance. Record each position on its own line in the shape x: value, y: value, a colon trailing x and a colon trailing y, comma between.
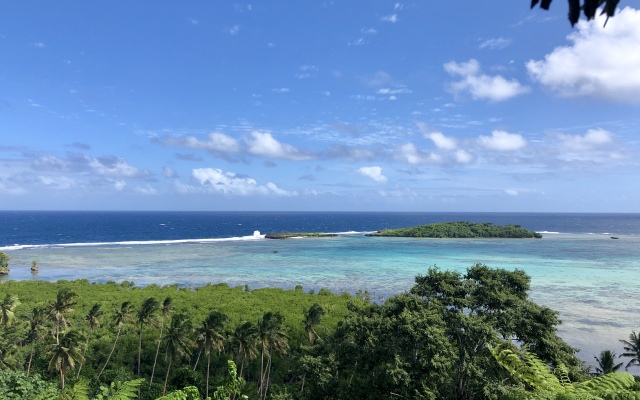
x: 471, y: 335
x: 460, y: 229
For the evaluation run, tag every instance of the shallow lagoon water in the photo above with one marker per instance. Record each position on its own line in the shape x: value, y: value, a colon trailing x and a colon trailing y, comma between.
x: 589, y: 278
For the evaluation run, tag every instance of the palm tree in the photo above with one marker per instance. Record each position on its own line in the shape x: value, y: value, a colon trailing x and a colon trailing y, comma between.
x: 271, y: 336
x: 312, y: 318
x: 65, y: 353
x: 606, y: 362
x: 165, y: 311
x: 8, y: 351
x: 178, y: 340
x: 145, y: 315
x: 119, y: 319
x: 632, y: 349
x: 93, y: 318
x: 36, y: 319
x: 7, y: 309
x: 65, y: 300
x: 244, y: 342
x: 210, y: 336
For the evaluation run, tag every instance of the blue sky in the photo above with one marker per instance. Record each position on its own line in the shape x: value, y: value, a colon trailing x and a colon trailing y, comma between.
x: 310, y: 105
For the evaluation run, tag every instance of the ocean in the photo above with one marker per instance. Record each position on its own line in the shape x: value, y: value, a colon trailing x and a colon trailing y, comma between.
x: 576, y: 268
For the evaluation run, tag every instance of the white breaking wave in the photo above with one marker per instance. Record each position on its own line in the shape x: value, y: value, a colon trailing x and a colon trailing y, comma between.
x: 351, y: 233
x: 256, y: 236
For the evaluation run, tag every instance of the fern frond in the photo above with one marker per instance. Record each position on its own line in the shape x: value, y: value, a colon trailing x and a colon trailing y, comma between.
x: 609, y: 382
x: 528, y: 368
x: 79, y: 391
x: 562, y: 374
x: 126, y: 391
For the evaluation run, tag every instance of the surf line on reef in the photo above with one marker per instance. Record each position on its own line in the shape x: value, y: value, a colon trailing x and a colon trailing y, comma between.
x: 255, y: 236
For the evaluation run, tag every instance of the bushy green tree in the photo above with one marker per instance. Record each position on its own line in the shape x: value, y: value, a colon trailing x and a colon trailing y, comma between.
x: 15, y: 385
x: 4, y: 263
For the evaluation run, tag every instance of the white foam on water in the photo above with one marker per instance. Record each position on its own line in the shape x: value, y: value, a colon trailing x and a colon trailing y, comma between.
x: 256, y: 236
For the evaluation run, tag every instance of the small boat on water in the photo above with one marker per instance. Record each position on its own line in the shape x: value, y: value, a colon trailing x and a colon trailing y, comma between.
x: 613, y: 237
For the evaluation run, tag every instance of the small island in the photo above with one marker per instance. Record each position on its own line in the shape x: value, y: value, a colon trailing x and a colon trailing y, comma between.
x: 288, y: 235
x: 462, y: 229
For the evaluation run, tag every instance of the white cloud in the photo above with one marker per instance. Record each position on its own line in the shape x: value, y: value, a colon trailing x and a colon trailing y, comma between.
x: 114, y: 166
x: 217, y: 181
x: 502, y: 141
x: 374, y: 173
x: 511, y: 192
x: 217, y: 142
x: 380, y: 78
x: 393, y: 18
x: 280, y: 192
x: 233, y: 30
x: 482, y: 86
x: 263, y: 144
x: 169, y: 172
x: 410, y: 154
x: 463, y: 157
x: 58, y: 182
x: 281, y: 90
x: 224, y: 182
x: 146, y: 190
x: 369, y: 31
x: 594, y: 139
x: 495, y: 43
x: 601, y: 62
x: 394, y: 91
x: 39, y: 45
x: 441, y: 141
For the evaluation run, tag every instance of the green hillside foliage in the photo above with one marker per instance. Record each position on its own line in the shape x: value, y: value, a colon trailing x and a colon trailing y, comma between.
x: 472, y: 335
x: 460, y: 229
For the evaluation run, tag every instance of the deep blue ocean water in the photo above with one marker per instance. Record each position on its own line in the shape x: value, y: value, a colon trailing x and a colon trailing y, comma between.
x: 43, y: 227
x: 576, y: 268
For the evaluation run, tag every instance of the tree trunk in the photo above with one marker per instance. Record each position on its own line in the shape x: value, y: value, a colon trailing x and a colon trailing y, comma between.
x: 112, y: 349
x: 261, y: 373
x: 30, y: 358
x: 197, y: 359
x: 266, y: 389
x: 166, y: 378
x: 206, y: 390
x: 139, y: 349
x: 84, y: 353
x: 61, y: 377
x: 155, y: 360
x: 242, y: 364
